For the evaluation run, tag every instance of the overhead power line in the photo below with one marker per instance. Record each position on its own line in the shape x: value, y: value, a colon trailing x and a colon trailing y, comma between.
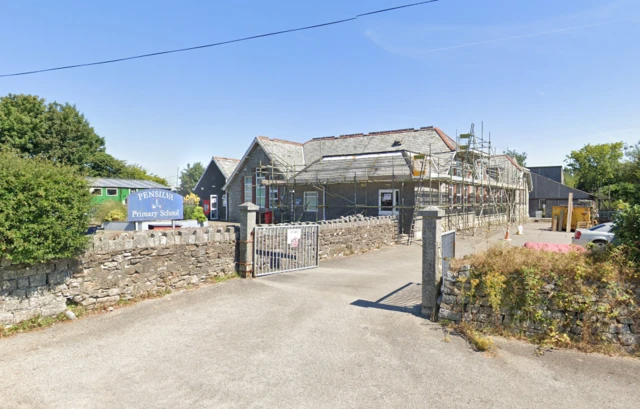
x: 238, y: 40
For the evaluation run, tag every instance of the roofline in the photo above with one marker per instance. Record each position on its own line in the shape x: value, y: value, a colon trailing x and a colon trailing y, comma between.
x: 451, y: 144
x: 95, y: 178
x: 223, y: 158
x: 256, y: 141
x: 445, y: 138
x: 195, y: 188
x: 562, y: 184
x: 266, y: 138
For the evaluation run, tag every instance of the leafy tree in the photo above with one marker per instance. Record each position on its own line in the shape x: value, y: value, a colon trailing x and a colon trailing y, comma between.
x: 520, y: 157
x: 59, y: 132
x: 45, y: 210
x: 138, y: 172
x: 596, y: 166
x: 189, y: 177
x: 54, y: 131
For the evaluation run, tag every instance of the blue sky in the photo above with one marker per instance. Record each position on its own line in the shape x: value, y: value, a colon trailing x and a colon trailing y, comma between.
x: 545, y: 76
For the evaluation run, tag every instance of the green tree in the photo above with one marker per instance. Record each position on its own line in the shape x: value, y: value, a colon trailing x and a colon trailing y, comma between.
x: 189, y: 177
x: 45, y: 210
x: 596, y: 166
x: 58, y: 132
x: 520, y: 157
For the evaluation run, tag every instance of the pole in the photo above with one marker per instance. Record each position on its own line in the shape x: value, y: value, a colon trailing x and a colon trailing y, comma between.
x: 569, y: 212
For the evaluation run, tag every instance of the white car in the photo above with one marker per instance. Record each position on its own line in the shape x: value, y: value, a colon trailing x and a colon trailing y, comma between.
x: 599, y: 235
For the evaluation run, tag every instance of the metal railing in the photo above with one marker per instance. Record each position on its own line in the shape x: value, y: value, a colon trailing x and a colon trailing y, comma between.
x: 284, y: 248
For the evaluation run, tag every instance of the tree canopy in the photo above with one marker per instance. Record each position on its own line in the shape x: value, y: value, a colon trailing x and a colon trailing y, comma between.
x: 596, y: 166
x: 189, y: 177
x: 520, y: 157
x: 59, y: 132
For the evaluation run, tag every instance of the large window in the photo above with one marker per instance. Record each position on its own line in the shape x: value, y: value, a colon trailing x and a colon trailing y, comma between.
x: 310, y: 201
x: 96, y: 191
x: 388, y: 200
x: 248, y: 189
x: 260, y: 190
x: 112, y: 192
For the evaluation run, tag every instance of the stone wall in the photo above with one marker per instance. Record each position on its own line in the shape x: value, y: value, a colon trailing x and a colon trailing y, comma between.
x: 117, y: 266
x: 620, y: 326
x: 356, y: 234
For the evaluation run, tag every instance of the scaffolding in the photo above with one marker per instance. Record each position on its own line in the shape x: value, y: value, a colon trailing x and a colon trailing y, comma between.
x: 473, y: 184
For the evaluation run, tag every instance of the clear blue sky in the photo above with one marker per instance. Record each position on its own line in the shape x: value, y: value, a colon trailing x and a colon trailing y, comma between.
x: 545, y: 76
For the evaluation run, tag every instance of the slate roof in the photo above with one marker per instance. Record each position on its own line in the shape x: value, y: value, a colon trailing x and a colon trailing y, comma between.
x: 226, y: 165
x: 283, y: 153
x: 292, y: 157
x: 415, y: 140
x: 125, y: 183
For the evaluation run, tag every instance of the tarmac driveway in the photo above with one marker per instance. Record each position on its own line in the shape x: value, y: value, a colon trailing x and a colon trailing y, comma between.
x: 341, y: 336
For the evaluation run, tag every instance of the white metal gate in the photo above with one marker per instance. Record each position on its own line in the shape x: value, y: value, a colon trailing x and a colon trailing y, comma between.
x: 283, y: 248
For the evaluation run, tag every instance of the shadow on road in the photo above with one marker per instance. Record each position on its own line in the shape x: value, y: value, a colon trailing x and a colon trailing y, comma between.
x: 407, y: 299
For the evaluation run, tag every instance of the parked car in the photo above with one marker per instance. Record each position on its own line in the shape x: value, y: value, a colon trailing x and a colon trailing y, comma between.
x: 599, y: 235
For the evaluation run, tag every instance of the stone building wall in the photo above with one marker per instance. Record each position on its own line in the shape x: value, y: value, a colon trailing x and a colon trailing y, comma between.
x: 117, y: 266
x: 356, y: 234
x: 621, y: 326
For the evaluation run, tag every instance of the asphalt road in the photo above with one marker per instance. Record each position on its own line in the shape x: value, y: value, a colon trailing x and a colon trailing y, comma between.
x: 341, y: 336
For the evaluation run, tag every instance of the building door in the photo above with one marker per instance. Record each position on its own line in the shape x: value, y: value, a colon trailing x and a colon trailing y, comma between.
x: 213, y: 203
x: 388, y: 201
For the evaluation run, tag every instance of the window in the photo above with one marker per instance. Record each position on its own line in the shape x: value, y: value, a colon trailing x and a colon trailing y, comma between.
x: 273, y: 198
x: 248, y: 189
x: 260, y: 190
x: 96, y: 191
x: 133, y: 190
x: 388, y: 200
x: 310, y: 201
x: 112, y: 192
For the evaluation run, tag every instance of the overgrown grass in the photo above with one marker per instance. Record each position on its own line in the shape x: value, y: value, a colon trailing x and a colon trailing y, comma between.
x: 528, y: 285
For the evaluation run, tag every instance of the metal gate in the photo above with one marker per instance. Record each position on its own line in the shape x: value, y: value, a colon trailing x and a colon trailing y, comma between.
x: 448, y: 249
x: 279, y: 249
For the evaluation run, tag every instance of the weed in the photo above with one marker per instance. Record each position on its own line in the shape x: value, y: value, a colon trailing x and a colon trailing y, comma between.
x: 479, y: 341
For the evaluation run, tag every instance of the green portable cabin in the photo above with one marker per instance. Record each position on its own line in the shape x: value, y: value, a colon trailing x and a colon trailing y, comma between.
x: 105, y: 189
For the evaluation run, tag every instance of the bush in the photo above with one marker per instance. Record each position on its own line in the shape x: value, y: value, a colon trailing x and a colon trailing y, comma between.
x: 198, y: 214
x: 115, y: 216
x: 627, y: 230
x: 106, y: 211
x: 45, y: 210
x: 187, y: 212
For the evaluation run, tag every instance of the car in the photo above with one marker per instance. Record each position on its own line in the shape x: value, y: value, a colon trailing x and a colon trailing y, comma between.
x: 598, y: 236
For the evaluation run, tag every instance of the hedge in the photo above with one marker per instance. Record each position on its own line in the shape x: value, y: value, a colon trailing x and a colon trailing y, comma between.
x: 44, y: 210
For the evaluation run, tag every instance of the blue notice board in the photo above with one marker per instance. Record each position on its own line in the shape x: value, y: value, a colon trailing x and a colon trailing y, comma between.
x: 154, y: 204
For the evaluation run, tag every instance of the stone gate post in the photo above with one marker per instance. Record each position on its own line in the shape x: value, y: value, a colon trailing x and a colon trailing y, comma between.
x: 247, y: 224
x: 431, y: 259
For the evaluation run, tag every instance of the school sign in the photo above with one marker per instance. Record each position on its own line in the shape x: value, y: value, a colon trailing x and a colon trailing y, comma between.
x: 154, y: 204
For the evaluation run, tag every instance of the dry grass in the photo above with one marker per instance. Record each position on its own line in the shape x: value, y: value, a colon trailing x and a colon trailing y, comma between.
x: 478, y: 341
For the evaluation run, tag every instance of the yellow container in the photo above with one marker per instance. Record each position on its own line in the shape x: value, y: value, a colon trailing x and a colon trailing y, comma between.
x: 579, y: 214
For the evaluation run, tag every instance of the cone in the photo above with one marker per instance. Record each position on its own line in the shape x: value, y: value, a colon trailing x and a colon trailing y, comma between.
x: 506, y: 235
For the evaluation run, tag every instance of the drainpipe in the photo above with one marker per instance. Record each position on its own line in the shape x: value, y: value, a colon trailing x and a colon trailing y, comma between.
x: 324, y: 203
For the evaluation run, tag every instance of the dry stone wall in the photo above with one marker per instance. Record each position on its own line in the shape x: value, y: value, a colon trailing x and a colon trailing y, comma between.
x: 117, y: 266
x: 355, y: 235
x: 621, y: 326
